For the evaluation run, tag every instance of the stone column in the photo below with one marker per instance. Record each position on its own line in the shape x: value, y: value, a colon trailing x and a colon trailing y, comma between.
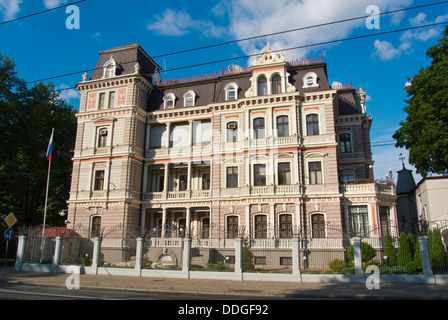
x: 358, y: 256
x: 139, y: 253
x: 187, y: 221
x: 20, y: 253
x: 57, y: 252
x: 96, y: 253
x: 186, y: 257
x: 164, y: 222
x: 426, y: 259
x: 296, y: 257
x: 239, y: 256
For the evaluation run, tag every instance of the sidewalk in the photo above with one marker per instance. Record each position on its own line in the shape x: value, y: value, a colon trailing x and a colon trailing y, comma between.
x: 284, y: 290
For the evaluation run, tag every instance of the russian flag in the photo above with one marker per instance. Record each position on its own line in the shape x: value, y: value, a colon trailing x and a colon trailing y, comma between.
x: 50, y: 147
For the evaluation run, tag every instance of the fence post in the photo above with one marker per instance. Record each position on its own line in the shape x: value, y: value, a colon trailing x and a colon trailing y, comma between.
x: 139, y: 254
x: 20, y: 253
x: 426, y: 259
x: 358, y: 256
x: 186, y: 258
x: 96, y: 253
x: 57, y: 253
x: 296, y: 257
x: 239, y: 257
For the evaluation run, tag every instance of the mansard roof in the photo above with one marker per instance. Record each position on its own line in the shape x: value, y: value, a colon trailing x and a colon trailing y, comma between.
x: 126, y: 58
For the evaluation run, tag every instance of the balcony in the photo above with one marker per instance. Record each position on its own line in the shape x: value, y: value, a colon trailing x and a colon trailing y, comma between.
x: 367, y: 189
x: 177, y: 195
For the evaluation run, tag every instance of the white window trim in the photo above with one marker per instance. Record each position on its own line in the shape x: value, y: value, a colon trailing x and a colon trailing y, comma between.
x: 167, y: 97
x: 186, y: 94
x: 229, y: 86
x: 305, y: 83
x: 315, y: 158
x: 110, y: 62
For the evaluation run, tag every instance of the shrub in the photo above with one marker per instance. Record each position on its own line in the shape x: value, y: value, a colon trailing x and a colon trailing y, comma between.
x: 371, y: 263
x: 404, y: 252
x: 337, y: 265
x: 389, y: 251
x: 367, y: 252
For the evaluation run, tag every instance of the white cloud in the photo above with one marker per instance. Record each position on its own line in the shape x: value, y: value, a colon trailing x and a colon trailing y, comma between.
x: 49, y: 4
x: 385, y: 50
x: 68, y: 94
x: 178, y: 23
x: 252, y: 18
x: 10, y: 8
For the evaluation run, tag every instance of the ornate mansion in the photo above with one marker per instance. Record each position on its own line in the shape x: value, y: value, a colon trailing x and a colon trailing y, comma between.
x: 270, y: 151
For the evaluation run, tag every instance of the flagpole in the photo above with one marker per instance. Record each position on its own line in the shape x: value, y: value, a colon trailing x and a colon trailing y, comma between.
x: 46, y: 195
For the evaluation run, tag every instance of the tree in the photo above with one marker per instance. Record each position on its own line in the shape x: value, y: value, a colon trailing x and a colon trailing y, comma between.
x: 404, y: 255
x: 26, y: 119
x: 425, y: 131
x: 248, y: 257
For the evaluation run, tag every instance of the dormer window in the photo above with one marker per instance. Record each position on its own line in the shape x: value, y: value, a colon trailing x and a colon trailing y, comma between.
x: 310, y: 80
x: 169, y: 100
x: 231, y: 91
x: 189, y: 98
x: 110, y: 68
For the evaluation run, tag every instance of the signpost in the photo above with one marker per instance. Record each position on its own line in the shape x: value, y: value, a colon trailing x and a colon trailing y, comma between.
x: 9, y: 235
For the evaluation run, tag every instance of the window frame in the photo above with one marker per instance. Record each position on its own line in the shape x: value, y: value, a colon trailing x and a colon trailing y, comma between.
x: 318, y: 227
x: 284, y: 174
x: 284, y: 131
x: 232, y: 133
x: 95, y: 228
x: 315, y: 130
x: 103, y: 134
x: 285, y: 227
x: 232, y: 226
x: 260, y: 226
x: 276, y: 84
x: 344, y: 143
x: 98, y: 182
x: 262, y: 86
x: 169, y: 97
x: 259, y: 130
x: 313, y: 173
x: 232, y: 177
x: 187, y: 95
x: 260, y: 176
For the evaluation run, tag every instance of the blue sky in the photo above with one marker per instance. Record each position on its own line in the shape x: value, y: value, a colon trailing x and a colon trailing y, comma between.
x: 42, y: 46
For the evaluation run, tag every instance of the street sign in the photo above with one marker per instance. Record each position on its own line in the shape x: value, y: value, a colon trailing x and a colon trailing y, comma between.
x: 10, y: 220
x: 9, y: 234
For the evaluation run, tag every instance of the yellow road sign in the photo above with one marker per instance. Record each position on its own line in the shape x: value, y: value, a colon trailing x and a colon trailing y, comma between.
x: 10, y: 220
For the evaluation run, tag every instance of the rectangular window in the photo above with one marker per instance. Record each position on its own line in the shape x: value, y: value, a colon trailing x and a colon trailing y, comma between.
x: 359, y: 220
x: 112, y: 99
x: 232, y: 131
x: 285, y: 226
x: 232, y: 177
x: 315, y: 172
x: 183, y: 182
x: 261, y: 226
x: 312, y: 125
x: 205, y: 228
x: 102, y: 100
x: 206, y: 181
x: 286, y: 261
x: 284, y: 174
x: 96, y: 227
x: 99, y: 180
x: 259, y: 128
x: 282, y: 126
x: 260, y: 260
x: 259, y: 175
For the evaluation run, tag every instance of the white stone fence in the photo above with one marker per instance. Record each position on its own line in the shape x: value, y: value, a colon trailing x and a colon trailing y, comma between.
x: 236, y: 274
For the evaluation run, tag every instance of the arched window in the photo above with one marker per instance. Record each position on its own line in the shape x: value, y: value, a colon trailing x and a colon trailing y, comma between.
x: 189, y: 99
x: 261, y: 226
x: 231, y: 91
x: 276, y: 84
x: 282, y: 126
x: 318, y: 225
x: 262, y: 86
x: 109, y: 68
x: 345, y: 143
x: 169, y: 101
x: 259, y: 129
x: 310, y: 80
x: 96, y: 227
x: 285, y: 226
x: 312, y: 125
x: 232, y: 227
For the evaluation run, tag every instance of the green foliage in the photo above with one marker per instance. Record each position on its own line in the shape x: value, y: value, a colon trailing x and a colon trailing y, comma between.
x: 219, y: 266
x: 26, y: 119
x: 368, y: 252
x: 337, y: 265
x: 425, y: 131
x: 389, y: 251
x: 437, y: 251
x: 248, y: 257
x: 404, y: 255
